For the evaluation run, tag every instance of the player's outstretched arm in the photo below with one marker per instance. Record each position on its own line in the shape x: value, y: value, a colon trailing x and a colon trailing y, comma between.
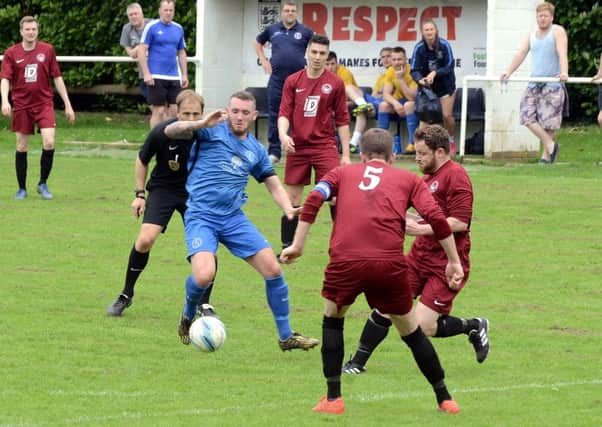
x: 184, y: 129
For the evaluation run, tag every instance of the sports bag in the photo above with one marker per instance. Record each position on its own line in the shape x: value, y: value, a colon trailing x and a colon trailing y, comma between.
x: 428, y: 106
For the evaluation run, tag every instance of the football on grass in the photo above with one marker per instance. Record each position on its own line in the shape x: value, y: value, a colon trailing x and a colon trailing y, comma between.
x: 207, y: 333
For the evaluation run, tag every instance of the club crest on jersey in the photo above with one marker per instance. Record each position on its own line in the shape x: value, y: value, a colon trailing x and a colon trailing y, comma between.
x: 434, y: 186
x: 174, y: 165
x: 326, y: 88
x: 41, y: 57
x: 250, y: 156
x: 297, y: 36
x: 196, y: 243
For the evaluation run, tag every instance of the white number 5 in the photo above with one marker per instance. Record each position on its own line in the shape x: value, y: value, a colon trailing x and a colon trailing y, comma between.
x: 373, y: 175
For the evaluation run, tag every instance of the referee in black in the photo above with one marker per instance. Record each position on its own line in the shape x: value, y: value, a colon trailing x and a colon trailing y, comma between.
x: 166, y: 194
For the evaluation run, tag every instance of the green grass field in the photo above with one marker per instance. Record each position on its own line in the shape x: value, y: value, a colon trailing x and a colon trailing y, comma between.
x: 536, y: 267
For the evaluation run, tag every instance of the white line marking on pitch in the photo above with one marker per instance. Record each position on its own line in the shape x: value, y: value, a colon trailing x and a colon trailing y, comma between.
x: 372, y: 397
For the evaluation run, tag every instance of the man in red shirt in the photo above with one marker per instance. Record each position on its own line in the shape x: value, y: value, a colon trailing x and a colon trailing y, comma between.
x: 27, y: 67
x: 450, y: 185
x: 313, y: 99
x: 366, y: 256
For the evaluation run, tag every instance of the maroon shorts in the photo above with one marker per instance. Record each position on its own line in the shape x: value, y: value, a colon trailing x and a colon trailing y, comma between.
x: 432, y: 287
x: 25, y: 120
x: 299, y: 164
x: 383, y: 282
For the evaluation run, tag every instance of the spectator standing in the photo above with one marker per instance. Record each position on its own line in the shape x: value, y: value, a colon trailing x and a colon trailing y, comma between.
x: 27, y: 67
x: 163, y: 61
x: 433, y: 65
x: 542, y: 103
x: 288, y: 39
x: 131, y: 35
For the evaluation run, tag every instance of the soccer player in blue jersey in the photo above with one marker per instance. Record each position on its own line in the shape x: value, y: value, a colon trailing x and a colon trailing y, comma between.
x: 162, y: 59
x: 221, y: 160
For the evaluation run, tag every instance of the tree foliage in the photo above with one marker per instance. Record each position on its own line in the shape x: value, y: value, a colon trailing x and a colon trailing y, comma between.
x: 582, y: 20
x: 84, y: 27
x: 87, y: 28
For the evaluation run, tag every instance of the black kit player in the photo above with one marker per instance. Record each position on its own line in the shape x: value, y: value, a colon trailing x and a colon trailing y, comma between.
x: 166, y: 194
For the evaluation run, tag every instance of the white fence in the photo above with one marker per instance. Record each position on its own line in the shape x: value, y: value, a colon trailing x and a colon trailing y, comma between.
x: 474, y: 78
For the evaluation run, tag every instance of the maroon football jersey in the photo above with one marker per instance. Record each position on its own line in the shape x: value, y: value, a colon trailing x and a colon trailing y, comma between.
x: 452, y: 189
x: 29, y: 72
x: 314, y: 107
x: 372, y: 200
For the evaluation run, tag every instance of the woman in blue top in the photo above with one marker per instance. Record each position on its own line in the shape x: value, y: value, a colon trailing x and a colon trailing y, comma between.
x: 433, y: 64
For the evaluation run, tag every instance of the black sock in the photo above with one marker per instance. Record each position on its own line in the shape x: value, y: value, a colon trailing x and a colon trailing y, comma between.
x: 21, y: 168
x: 333, y: 352
x: 136, y: 264
x: 448, y: 326
x: 333, y: 212
x: 46, y: 164
x: 287, y: 230
x: 208, y: 289
x: 427, y: 360
x: 374, y: 332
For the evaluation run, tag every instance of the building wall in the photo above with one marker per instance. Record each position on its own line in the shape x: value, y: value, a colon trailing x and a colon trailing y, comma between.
x: 509, y: 22
x: 227, y: 39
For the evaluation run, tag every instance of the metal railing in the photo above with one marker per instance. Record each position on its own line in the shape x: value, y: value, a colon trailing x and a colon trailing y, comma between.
x: 191, y: 59
x: 476, y: 78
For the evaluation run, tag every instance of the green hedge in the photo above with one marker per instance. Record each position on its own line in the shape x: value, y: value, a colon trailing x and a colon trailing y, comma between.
x: 86, y: 28
x: 583, y: 22
x: 93, y: 28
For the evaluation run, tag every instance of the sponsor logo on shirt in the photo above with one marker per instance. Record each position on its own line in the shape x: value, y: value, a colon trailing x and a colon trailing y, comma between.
x: 310, y: 108
x: 31, y: 73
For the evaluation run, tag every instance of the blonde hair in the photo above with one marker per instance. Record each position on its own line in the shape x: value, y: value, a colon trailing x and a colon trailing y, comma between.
x: 545, y: 6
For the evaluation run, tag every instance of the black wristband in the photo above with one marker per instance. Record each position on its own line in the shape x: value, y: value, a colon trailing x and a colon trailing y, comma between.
x: 140, y: 196
x: 139, y: 191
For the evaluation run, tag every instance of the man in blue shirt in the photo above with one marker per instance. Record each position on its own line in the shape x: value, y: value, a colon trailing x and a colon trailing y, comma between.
x: 221, y: 160
x: 289, y: 40
x: 162, y: 59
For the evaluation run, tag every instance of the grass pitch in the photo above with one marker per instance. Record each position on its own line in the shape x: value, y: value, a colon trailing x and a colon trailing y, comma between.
x: 536, y: 266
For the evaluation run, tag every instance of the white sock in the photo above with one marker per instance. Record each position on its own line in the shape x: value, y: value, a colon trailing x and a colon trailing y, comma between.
x: 355, y: 138
x: 360, y: 101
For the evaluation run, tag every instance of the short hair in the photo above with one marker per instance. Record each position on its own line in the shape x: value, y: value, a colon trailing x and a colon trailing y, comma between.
x: 434, y: 136
x: 244, y: 95
x: 167, y: 1
x: 189, y: 94
x: 545, y: 6
x: 319, y: 39
x: 332, y: 55
x: 386, y: 49
x: 377, y: 143
x: 27, y: 20
x: 288, y: 3
x: 134, y: 5
x: 398, y: 49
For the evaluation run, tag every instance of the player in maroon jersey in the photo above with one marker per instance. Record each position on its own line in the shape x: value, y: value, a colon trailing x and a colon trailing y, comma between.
x: 27, y: 68
x: 451, y: 187
x: 313, y: 104
x: 366, y: 256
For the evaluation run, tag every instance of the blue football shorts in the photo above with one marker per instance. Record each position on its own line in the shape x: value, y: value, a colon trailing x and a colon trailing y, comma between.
x: 204, y: 232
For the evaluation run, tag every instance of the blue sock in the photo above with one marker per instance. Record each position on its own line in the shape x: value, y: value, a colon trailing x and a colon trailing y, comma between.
x: 194, y: 294
x: 277, y: 294
x: 412, y: 123
x: 384, y: 120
